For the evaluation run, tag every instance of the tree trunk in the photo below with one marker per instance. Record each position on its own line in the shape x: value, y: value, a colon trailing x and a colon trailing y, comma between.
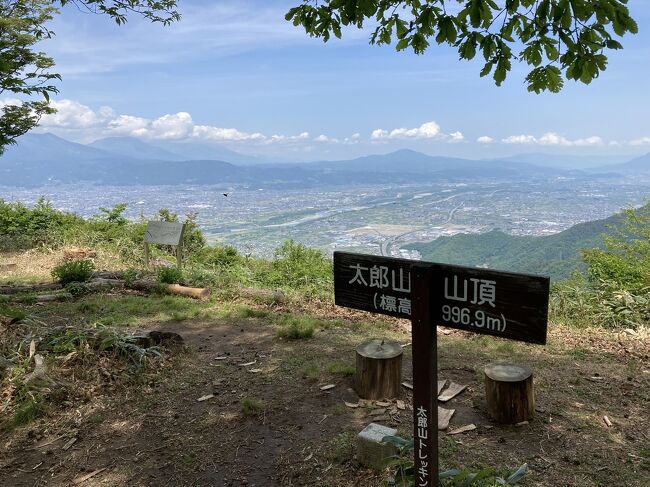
x: 509, y: 393
x: 379, y: 369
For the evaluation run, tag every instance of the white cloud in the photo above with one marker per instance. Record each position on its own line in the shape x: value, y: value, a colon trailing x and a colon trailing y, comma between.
x: 456, y: 137
x: 519, y: 139
x: 484, y: 139
x: 80, y: 122
x: 353, y: 139
x: 552, y: 138
x: 641, y: 141
x: 593, y: 140
x: 428, y: 130
x: 379, y: 134
x: 73, y: 115
x: 326, y: 139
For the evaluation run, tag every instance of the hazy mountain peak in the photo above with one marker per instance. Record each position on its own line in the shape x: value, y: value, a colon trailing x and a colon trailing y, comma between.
x: 136, y: 148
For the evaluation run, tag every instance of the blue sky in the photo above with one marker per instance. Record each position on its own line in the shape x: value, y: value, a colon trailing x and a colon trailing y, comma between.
x: 236, y: 73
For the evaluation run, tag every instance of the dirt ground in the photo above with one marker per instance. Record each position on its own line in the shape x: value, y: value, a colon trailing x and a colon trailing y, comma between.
x: 270, y: 424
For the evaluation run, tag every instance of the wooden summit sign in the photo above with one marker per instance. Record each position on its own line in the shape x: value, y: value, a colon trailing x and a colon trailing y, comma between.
x: 164, y: 233
x: 502, y: 304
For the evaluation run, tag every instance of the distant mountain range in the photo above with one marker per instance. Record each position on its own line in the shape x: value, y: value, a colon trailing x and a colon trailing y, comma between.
x: 555, y: 255
x: 40, y: 159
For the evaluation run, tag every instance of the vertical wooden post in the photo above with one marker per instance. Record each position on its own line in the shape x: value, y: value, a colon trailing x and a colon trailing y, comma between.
x: 425, y: 378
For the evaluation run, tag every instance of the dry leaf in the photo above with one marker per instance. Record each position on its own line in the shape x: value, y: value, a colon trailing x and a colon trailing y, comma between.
x: 607, y: 421
x: 352, y: 405
x: 408, y: 385
x: 255, y: 371
x: 401, y: 405
x: 327, y: 387
x: 205, y: 398
x: 248, y: 363
x: 32, y: 349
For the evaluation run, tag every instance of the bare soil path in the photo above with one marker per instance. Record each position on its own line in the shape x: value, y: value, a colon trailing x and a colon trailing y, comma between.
x: 266, y: 422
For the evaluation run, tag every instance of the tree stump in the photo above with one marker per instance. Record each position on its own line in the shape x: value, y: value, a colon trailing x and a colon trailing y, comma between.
x: 379, y: 369
x: 509, y: 393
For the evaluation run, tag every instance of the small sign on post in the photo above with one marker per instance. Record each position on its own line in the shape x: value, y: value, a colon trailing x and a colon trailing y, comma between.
x: 502, y: 304
x: 164, y: 233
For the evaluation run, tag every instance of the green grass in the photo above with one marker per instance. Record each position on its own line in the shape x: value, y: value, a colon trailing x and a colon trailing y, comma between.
x: 341, y: 368
x: 32, y: 406
x: 128, y: 310
x: 250, y: 406
x: 297, y: 327
x: 340, y: 448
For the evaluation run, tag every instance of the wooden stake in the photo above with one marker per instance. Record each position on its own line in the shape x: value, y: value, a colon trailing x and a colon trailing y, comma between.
x: 425, y: 375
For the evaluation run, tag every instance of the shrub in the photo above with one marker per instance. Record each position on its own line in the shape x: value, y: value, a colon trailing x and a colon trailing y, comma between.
x: 75, y: 271
x: 219, y: 256
x: 113, y: 215
x: 296, y: 267
x: 22, y: 227
x: 170, y: 275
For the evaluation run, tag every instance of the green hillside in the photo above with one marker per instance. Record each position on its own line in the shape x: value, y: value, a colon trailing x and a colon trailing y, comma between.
x: 554, y: 255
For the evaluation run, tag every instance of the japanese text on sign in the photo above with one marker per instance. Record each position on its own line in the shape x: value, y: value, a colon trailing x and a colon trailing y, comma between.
x: 384, y: 278
x: 422, y: 450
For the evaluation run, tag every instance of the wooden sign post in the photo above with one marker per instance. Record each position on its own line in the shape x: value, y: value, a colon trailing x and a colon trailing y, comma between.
x: 164, y: 233
x: 502, y: 304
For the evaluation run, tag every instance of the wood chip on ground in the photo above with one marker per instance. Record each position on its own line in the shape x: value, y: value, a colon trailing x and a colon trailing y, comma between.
x: 444, y: 416
x: 452, y: 391
x: 462, y: 429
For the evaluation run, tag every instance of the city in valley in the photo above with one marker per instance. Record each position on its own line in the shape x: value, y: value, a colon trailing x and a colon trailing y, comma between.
x: 379, y: 219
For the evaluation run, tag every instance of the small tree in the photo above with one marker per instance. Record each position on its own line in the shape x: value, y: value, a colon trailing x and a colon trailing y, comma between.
x: 24, y: 71
x: 27, y: 73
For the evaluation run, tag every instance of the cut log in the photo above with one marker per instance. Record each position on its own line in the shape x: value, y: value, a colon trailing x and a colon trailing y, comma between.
x: 149, y: 286
x: 509, y: 393
x: 109, y: 275
x: 18, y: 289
x: 47, y: 298
x: 101, y: 284
x: 192, y: 292
x: 378, y: 373
x: 143, y: 285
